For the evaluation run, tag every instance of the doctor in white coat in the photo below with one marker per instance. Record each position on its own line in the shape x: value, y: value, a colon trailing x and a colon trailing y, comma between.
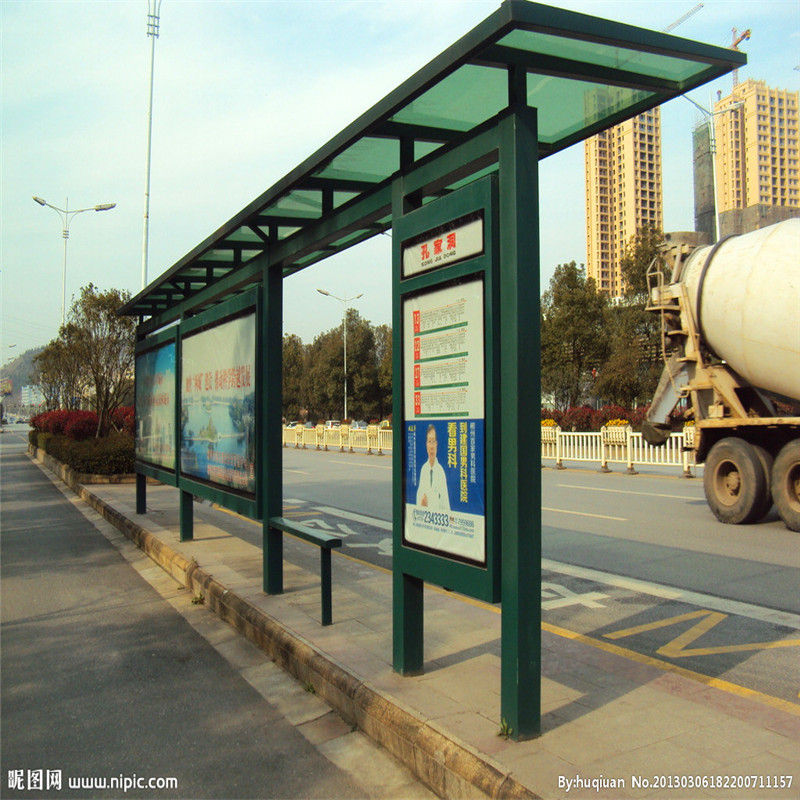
x: 432, y: 487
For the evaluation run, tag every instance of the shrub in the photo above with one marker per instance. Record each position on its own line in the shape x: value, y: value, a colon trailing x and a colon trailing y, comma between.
x: 124, y: 419
x: 111, y: 455
x: 51, y: 421
x: 608, y: 414
x: 579, y: 418
x: 81, y: 425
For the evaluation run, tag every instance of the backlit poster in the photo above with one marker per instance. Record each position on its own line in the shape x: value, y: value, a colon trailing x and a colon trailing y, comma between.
x: 444, y: 421
x: 155, y: 406
x: 218, y: 404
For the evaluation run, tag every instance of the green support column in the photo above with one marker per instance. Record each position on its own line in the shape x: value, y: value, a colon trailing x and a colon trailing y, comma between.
x: 141, y: 494
x: 520, y: 493
x: 407, y: 590
x: 187, y: 516
x: 271, y: 455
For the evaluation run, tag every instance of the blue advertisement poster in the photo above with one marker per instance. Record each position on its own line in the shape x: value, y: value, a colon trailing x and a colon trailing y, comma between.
x: 444, y: 425
x: 155, y: 406
x: 218, y: 404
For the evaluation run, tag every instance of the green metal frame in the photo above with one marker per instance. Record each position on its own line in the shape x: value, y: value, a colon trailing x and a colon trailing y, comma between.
x: 477, y: 581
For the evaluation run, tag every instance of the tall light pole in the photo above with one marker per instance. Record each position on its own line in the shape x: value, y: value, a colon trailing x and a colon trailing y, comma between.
x: 66, y: 217
x: 153, y: 25
x: 712, y: 146
x: 344, y: 301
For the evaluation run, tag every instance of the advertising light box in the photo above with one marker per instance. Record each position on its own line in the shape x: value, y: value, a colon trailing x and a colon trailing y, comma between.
x: 444, y: 425
x: 218, y: 430
x: 155, y: 406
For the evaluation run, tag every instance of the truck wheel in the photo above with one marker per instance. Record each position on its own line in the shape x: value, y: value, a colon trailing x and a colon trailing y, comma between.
x: 735, y: 483
x: 786, y: 484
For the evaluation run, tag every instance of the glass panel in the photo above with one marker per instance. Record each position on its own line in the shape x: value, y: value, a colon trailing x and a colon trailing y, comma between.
x: 422, y: 149
x: 300, y: 203
x: 244, y: 234
x: 340, y: 198
x: 367, y: 159
x: 658, y: 66
x: 567, y: 106
x: 469, y: 96
x: 284, y: 233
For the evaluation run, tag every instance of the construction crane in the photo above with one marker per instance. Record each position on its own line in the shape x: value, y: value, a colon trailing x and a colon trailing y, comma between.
x: 683, y: 19
x: 738, y: 38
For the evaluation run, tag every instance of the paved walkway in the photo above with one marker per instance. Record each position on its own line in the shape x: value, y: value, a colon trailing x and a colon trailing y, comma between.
x: 612, y: 726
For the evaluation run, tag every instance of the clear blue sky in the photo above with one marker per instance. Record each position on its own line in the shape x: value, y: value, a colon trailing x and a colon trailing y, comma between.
x: 244, y: 92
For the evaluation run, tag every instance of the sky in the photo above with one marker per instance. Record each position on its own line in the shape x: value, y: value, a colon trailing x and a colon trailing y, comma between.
x: 244, y: 91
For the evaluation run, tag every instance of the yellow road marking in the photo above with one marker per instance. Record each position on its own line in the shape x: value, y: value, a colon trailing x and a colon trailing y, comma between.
x: 608, y: 647
x: 708, y: 619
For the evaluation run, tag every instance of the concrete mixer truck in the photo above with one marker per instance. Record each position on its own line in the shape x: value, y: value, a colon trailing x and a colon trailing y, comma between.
x: 730, y: 318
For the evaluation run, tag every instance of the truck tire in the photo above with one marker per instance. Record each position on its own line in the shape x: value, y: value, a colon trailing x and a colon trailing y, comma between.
x: 786, y: 484
x: 766, y: 459
x: 735, y: 483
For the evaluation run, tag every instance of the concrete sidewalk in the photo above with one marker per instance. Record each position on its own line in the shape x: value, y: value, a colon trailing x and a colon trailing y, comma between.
x: 611, y: 726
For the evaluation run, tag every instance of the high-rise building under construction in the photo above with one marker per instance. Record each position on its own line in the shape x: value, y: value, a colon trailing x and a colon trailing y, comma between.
x: 756, y: 164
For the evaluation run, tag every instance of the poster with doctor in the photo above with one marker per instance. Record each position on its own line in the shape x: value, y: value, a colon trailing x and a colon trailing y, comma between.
x: 444, y: 425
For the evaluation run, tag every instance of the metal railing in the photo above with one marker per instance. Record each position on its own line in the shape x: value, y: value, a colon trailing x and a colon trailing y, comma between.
x: 372, y: 439
x: 618, y: 445
x: 609, y: 445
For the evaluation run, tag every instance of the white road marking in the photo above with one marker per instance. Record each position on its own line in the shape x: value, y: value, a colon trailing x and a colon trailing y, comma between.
x: 584, y: 514
x: 626, y: 491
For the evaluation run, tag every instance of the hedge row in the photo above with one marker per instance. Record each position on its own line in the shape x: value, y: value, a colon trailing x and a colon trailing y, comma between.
x: 81, y: 425
x: 112, y: 455
x: 584, y: 418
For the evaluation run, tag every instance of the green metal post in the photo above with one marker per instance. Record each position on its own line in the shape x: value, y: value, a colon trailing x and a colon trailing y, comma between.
x: 520, y: 493
x: 407, y: 590
x: 271, y: 456
x: 141, y: 494
x: 326, y: 580
x: 187, y: 516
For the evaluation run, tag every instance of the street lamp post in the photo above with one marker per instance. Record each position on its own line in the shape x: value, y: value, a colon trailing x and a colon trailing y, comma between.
x: 66, y: 217
x: 712, y: 146
x: 344, y: 301
x: 153, y: 26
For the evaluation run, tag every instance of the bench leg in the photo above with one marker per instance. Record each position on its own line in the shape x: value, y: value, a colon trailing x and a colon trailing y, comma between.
x: 325, y: 588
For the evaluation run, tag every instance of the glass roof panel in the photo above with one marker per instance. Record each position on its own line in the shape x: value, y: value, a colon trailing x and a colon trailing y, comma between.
x: 462, y: 100
x: 568, y: 106
x: 367, y: 159
x: 422, y: 149
x: 298, y: 203
x: 285, y: 232
x: 604, y: 55
x: 340, y: 198
x: 245, y: 234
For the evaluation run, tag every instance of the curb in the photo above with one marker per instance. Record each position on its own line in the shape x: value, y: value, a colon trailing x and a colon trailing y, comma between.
x: 448, y: 766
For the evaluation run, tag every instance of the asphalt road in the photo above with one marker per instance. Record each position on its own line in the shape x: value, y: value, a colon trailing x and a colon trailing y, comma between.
x: 637, y: 561
x: 103, y: 679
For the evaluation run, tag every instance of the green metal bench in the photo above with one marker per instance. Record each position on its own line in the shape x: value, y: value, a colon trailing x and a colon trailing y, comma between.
x: 326, y: 542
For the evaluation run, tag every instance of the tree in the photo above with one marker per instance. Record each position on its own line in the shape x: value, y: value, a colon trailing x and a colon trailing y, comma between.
x: 104, y: 344
x: 632, y: 371
x: 383, y: 359
x: 295, y: 377
x: 573, y: 336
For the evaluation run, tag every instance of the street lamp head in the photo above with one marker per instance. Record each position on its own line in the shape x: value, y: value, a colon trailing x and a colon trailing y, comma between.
x: 358, y: 295
x: 322, y: 291
x: 102, y: 206
x: 39, y: 200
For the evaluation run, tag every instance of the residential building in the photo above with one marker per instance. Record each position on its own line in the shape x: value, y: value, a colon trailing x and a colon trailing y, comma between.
x: 756, y: 162
x: 623, y: 194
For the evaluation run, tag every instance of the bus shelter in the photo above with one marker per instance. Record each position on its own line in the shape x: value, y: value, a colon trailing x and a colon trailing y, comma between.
x: 448, y: 162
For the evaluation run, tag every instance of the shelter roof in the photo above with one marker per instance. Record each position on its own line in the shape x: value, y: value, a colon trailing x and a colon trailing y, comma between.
x: 583, y: 74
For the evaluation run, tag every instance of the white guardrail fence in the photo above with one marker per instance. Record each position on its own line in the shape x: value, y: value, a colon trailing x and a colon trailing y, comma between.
x: 609, y: 445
